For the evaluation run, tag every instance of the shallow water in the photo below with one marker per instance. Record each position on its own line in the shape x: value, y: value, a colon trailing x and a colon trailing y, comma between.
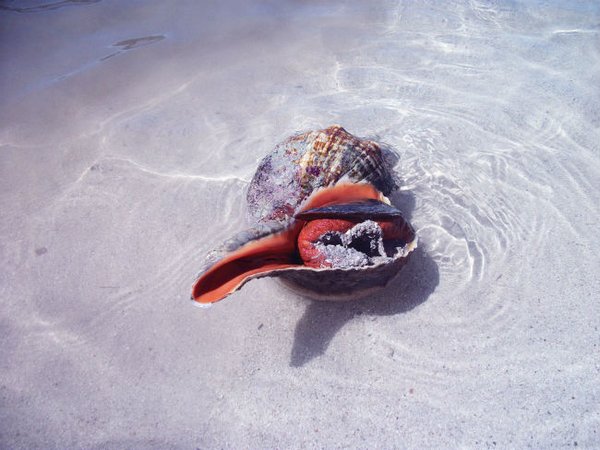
x: 128, y: 136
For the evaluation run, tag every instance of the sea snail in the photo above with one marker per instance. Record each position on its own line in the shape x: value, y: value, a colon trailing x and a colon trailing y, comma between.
x: 324, y: 223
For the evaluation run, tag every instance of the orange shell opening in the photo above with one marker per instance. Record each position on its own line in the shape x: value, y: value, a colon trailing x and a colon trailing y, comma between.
x: 313, y: 230
x: 274, y: 252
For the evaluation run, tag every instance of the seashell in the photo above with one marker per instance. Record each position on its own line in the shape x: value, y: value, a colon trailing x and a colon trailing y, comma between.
x: 323, y: 222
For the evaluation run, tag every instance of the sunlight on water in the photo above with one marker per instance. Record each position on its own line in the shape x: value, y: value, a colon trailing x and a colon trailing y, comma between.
x: 129, y: 134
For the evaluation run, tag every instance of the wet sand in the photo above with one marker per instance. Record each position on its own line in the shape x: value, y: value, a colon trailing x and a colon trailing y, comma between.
x: 129, y: 134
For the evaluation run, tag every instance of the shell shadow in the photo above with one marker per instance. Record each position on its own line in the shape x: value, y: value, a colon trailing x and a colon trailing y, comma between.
x: 413, y: 285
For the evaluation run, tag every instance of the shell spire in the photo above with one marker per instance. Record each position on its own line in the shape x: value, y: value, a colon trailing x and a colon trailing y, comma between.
x: 314, y: 160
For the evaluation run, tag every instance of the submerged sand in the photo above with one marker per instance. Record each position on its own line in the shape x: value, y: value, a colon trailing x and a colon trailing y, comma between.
x: 129, y: 133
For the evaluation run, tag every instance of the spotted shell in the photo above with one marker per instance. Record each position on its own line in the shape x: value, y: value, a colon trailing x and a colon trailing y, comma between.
x: 307, y: 162
x: 304, y: 174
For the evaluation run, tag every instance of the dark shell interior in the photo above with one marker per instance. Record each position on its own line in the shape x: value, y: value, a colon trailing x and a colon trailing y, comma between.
x: 372, y: 209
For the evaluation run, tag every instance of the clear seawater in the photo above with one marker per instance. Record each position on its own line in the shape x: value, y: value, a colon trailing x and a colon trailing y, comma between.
x: 128, y: 134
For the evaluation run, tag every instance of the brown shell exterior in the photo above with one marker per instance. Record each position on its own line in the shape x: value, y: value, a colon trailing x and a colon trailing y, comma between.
x: 309, y: 161
x: 340, y: 284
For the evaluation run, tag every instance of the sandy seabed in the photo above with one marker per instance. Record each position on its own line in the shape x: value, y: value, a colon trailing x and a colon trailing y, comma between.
x: 128, y: 135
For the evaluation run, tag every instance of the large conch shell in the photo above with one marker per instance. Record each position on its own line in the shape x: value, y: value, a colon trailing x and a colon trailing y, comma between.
x: 324, y: 224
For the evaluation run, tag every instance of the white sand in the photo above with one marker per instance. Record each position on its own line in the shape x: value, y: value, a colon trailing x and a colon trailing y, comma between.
x: 123, y: 162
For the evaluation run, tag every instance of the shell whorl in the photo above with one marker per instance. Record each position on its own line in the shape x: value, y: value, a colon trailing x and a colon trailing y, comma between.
x: 307, y: 162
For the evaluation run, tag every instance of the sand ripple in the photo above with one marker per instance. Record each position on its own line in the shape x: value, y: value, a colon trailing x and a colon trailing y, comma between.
x: 129, y: 135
